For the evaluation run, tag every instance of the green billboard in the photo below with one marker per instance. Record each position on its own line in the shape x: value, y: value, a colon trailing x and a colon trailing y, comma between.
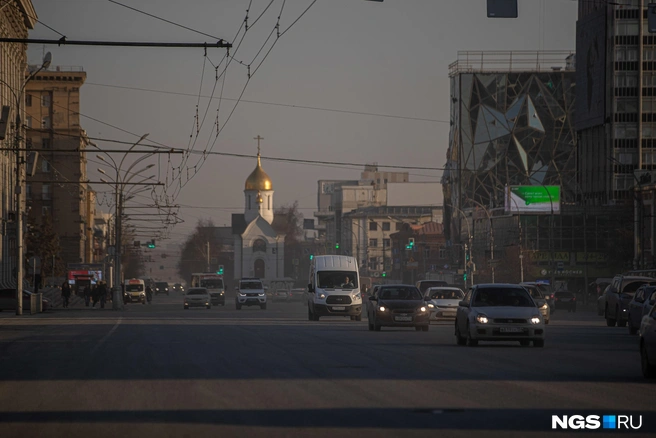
x: 533, y: 199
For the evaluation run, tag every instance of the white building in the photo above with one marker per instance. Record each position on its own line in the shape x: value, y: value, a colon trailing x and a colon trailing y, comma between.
x: 259, y: 249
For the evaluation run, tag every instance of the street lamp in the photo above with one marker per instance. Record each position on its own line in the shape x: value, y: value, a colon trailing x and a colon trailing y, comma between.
x: 47, y: 59
x: 489, y: 218
x: 469, y: 240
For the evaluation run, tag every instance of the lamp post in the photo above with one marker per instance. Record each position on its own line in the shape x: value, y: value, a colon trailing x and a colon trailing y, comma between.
x: 489, y: 218
x: 469, y: 240
x: 521, y: 253
x: 117, y: 299
x: 18, y: 139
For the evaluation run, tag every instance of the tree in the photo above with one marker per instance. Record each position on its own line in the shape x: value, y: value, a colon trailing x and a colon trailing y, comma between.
x: 43, y: 242
x: 193, y: 257
x: 289, y: 221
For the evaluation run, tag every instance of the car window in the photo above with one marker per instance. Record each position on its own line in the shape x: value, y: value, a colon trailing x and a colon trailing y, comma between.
x: 400, y: 293
x: 134, y: 288
x: 632, y: 287
x: 445, y: 294
x: 197, y: 292
x: 250, y: 285
x: 639, y: 296
x: 534, y: 291
x: 497, y: 297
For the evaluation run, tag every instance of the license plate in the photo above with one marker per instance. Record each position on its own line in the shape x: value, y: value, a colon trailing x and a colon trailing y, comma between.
x: 339, y: 308
x: 511, y: 330
x: 403, y: 318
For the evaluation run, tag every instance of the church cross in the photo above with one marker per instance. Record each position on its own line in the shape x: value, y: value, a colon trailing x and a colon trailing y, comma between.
x: 258, y: 138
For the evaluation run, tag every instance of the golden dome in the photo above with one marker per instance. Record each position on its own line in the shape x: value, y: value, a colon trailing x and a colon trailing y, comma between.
x: 258, y: 179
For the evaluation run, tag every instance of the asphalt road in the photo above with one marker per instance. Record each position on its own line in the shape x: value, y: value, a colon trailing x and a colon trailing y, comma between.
x: 159, y: 370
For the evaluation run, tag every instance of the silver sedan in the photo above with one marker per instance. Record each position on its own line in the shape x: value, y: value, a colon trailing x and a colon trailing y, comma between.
x: 197, y: 297
x: 443, y: 302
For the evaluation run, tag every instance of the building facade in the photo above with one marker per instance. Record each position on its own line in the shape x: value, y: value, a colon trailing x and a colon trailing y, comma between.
x: 17, y: 17
x: 59, y: 187
x: 419, y: 250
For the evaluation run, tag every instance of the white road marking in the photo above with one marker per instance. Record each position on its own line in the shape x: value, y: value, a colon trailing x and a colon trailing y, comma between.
x: 104, y: 338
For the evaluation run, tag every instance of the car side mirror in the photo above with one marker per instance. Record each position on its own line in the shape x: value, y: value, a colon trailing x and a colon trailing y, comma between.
x: 373, y: 298
x: 462, y: 304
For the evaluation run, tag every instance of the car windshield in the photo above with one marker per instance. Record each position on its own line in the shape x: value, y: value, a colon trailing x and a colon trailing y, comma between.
x: 446, y: 294
x: 212, y: 283
x: 631, y: 288
x: 161, y: 285
x: 564, y: 295
x: 400, y: 293
x: 534, y: 291
x: 197, y: 292
x: 500, y: 297
x: 424, y: 285
x: 134, y: 288
x: 250, y: 285
x: 337, y: 279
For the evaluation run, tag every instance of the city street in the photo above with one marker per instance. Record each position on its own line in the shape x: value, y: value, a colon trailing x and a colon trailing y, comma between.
x: 159, y: 370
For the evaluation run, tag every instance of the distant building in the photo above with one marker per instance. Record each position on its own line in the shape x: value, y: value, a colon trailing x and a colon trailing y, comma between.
x: 418, y: 249
x: 59, y: 187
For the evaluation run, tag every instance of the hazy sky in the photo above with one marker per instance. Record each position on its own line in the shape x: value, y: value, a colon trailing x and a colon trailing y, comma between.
x: 350, y: 55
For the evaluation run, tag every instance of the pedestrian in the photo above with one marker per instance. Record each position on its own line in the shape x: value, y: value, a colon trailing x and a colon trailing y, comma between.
x: 149, y: 294
x: 87, y: 295
x: 95, y: 295
x: 102, y: 292
x: 66, y: 293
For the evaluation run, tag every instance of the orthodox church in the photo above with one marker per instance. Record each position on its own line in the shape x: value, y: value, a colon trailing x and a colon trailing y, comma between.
x: 259, y: 249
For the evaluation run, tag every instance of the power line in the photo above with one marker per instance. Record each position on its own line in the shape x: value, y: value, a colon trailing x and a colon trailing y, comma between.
x: 315, y: 108
x: 63, y: 42
x: 164, y: 20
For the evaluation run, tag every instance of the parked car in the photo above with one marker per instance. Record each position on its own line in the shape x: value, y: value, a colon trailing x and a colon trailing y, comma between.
x: 8, y: 300
x: 281, y: 295
x: 601, y: 302
x: 540, y: 300
x: 565, y: 300
x: 499, y: 312
x: 648, y: 344
x: 423, y: 285
x: 397, y: 305
x: 619, y: 295
x: 443, y: 302
x: 640, y: 305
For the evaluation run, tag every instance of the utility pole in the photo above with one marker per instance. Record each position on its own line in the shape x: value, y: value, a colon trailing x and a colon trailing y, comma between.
x: 208, y: 256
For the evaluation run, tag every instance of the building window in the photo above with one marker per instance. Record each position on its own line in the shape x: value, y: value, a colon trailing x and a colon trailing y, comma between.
x: 373, y: 242
x: 28, y: 191
x: 45, y: 192
x: 386, y: 243
x: 45, y: 100
x: 28, y: 121
x: 373, y: 264
x: 28, y: 99
x: 442, y: 253
x: 45, y: 210
x: 373, y: 226
x: 399, y: 226
x: 45, y: 123
x: 259, y: 246
x: 386, y: 226
x: 45, y: 166
x: 427, y: 252
x: 45, y: 143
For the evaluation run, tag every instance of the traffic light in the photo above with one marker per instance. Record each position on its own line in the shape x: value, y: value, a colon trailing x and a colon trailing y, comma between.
x: 464, y: 276
x: 411, y: 243
x: 384, y: 273
x: 151, y: 244
x: 220, y: 271
x: 311, y: 256
x: 337, y: 245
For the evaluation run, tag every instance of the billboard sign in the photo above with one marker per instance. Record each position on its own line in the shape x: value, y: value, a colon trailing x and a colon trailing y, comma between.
x: 533, y: 199
x: 591, y: 70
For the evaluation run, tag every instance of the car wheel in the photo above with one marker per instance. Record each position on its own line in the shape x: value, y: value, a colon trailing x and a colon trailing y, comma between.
x: 525, y: 343
x: 310, y: 316
x: 621, y: 323
x: 610, y: 322
x: 186, y: 307
x: 546, y: 322
x: 352, y: 318
x: 648, y: 371
x: 470, y: 341
x: 538, y: 343
x: 459, y: 339
x: 370, y: 326
x: 417, y: 328
x: 424, y: 328
x: 208, y: 307
x: 358, y: 317
x: 377, y: 327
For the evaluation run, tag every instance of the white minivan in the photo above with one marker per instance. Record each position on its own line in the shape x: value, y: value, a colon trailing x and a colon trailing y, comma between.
x: 334, y: 288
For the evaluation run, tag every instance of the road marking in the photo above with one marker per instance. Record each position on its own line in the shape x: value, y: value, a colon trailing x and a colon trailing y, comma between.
x: 104, y: 338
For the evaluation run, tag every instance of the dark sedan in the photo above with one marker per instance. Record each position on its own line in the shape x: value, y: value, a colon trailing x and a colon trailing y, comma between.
x: 397, y: 305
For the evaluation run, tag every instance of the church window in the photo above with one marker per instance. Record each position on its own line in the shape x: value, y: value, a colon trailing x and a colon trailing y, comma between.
x: 259, y: 246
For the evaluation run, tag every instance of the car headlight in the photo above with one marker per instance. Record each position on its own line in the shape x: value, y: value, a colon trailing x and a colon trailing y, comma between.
x: 222, y: 292
x: 242, y: 294
x: 186, y: 303
x: 142, y: 294
x: 381, y: 308
x: 482, y: 319
x: 357, y: 296
x: 544, y: 306
x: 422, y: 309
x: 262, y: 294
x: 431, y: 305
x: 322, y: 296
x: 207, y: 303
x: 535, y: 320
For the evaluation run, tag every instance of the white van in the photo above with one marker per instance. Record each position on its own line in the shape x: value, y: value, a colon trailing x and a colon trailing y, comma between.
x: 334, y: 288
x: 135, y: 291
